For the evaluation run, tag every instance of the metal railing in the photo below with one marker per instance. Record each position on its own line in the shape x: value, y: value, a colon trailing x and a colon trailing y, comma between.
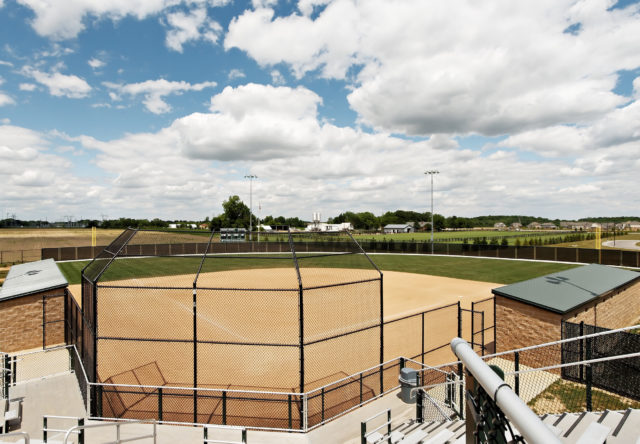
x: 24, y: 436
x: 364, y: 434
x: 500, y: 393
x: 242, y: 430
x: 117, y: 425
x: 46, y: 429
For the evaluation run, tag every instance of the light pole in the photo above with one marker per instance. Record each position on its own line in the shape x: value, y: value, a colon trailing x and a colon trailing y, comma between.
x: 250, y: 177
x: 432, y: 173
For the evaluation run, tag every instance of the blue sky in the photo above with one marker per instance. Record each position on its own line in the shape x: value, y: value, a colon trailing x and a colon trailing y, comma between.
x: 158, y: 108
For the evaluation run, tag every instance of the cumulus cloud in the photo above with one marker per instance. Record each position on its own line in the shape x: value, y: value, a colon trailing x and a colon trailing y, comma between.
x: 305, y: 164
x: 5, y: 99
x: 27, y: 87
x: 96, y: 63
x: 154, y: 91
x: 60, y: 85
x: 236, y: 74
x: 64, y: 23
x: 500, y: 70
x: 189, y: 27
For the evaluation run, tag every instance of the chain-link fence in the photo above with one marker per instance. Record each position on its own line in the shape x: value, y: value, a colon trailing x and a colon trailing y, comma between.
x: 596, y: 371
x: 621, y: 377
x: 277, y: 243
x: 181, y: 327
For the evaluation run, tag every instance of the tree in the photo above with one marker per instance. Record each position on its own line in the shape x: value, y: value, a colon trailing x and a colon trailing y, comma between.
x: 236, y: 215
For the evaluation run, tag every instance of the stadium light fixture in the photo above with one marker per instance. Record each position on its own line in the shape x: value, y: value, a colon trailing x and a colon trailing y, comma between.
x: 250, y: 177
x: 432, y: 173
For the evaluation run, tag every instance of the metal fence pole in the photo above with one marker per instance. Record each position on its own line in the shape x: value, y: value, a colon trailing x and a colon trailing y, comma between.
x: 224, y: 407
x: 289, y: 399
x: 423, y: 337
x: 159, y: 403
x: 589, y: 377
x: 419, y: 401
x: 516, y: 363
x: 389, y: 426
x: 81, y: 435
x: 44, y: 429
x: 322, y: 407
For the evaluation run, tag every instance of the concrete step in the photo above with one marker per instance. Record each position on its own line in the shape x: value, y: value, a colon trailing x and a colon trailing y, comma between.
x: 627, y: 430
x: 581, y: 423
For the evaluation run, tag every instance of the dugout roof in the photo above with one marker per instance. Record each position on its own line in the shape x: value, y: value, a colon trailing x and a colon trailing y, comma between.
x: 567, y: 290
x: 32, y: 277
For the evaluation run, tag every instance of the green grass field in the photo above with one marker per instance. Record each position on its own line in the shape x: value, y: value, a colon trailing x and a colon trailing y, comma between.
x: 485, y: 270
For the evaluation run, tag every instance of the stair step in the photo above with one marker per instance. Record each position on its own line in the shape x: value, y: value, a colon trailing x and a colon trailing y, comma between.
x: 581, y: 424
x: 594, y: 434
x: 629, y: 432
x: 415, y: 437
x: 564, y: 422
x: 439, y: 438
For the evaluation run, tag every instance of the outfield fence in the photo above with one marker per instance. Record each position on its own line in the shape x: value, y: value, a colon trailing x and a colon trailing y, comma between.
x: 278, y: 244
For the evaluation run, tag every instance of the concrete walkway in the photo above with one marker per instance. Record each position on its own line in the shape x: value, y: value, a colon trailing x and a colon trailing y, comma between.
x: 623, y: 244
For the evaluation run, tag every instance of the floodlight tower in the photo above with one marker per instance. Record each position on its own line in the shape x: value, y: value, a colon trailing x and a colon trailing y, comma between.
x: 250, y: 177
x: 432, y: 173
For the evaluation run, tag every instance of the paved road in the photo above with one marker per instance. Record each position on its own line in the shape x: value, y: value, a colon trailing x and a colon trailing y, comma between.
x: 623, y: 244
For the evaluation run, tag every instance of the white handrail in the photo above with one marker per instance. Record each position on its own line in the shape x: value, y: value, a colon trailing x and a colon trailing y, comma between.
x: 117, y: 425
x: 25, y: 435
x: 527, y: 422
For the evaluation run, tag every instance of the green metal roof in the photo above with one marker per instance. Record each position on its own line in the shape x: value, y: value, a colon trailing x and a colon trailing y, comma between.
x: 567, y: 290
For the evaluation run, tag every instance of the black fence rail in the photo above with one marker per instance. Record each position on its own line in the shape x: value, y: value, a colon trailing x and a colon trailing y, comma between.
x: 273, y: 244
x: 617, y: 376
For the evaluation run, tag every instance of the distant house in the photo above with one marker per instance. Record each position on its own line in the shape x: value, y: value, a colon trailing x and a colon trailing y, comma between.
x: 516, y: 226
x: 575, y: 225
x: 499, y: 226
x: 265, y: 227
x: 398, y: 228
x: 549, y: 226
x: 534, y: 226
x: 632, y: 225
x: 173, y: 226
x: 204, y: 226
x: 324, y: 227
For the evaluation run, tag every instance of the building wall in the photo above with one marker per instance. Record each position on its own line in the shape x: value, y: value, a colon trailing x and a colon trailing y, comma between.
x: 521, y: 325
x: 21, y: 326
x: 621, y: 309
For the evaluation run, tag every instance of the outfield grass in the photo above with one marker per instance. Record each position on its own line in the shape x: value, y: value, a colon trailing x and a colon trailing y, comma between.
x: 485, y: 270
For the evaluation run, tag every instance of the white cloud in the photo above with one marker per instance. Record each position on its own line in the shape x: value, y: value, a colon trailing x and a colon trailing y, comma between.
x: 60, y: 85
x: 236, y: 74
x: 154, y: 92
x: 5, y: 63
x: 636, y: 88
x: 27, y: 87
x: 96, y: 63
x: 277, y: 78
x: 189, y: 27
x: 5, y: 99
x: 64, y: 23
x: 499, y: 70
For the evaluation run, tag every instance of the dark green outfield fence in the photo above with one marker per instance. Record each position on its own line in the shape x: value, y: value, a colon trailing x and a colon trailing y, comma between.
x: 272, y: 244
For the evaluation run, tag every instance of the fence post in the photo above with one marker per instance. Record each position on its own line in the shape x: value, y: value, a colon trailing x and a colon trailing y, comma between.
x: 360, y: 388
x: 389, y: 425
x: 461, y: 390
x: 423, y: 337
x: 589, y: 376
x: 159, y: 403
x: 581, y: 350
x: 363, y: 432
x: 224, y: 407
x: 419, y: 401
x: 516, y: 364
x: 44, y: 429
x: 289, y: 408
x: 14, y: 371
x: 81, y: 434
x: 6, y: 366
x: 322, y: 406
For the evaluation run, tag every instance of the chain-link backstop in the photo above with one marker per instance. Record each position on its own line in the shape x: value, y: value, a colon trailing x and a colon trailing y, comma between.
x: 181, y: 309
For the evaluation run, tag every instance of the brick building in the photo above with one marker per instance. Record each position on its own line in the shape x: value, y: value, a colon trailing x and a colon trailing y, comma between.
x: 531, y: 312
x: 32, y: 307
